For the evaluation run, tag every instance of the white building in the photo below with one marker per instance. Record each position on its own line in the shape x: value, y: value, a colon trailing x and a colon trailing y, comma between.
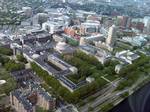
x: 83, y: 41
x: 91, y: 27
x: 111, y: 35
x: 62, y: 47
x: 118, y: 68
x: 52, y: 27
x: 127, y: 56
x: 146, y: 22
x: 102, y: 55
x: 62, y: 64
x: 90, y: 79
x: 27, y: 11
x: 136, y: 41
x: 58, y: 38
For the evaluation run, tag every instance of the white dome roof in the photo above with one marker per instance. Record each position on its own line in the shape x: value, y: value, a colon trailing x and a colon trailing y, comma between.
x: 35, y: 56
x: 2, y: 82
x: 61, y: 46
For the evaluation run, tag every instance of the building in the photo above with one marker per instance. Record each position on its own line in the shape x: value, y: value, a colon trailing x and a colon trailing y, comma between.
x: 58, y: 38
x: 70, y: 40
x: 102, y: 55
x: 124, y: 21
x: 20, y: 103
x: 52, y: 27
x: 46, y: 101
x: 103, y: 45
x: 136, y: 40
x: 23, y: 75
x: 37, y: 35
x: 85, y: 13
x: 90, y: 79
x: 90, y: 27
x: 146, y: 21
x: 137, y: 24
x: 61, y: 64
x: 40, y: 18
x: 27, y: 11
x: 83, y: 41
x: 110, y: 40
x: 2, y: 82
x: 127, y: 56
x: 70, y: 31
x: 26, y: 100
x: 118, y: 68
x: 64, y: 48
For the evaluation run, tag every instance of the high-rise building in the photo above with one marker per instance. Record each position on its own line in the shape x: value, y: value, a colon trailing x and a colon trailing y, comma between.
x: 82, y: 41
x: 146, y: 22
x: 111, y: 35
x: 138, y: 25
x: 124, y: 21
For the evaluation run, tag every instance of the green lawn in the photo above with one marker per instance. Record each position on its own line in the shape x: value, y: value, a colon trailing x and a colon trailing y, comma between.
x: 10, y: 82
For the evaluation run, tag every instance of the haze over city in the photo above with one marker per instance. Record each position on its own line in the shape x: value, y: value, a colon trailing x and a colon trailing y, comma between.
x: 74, y: 55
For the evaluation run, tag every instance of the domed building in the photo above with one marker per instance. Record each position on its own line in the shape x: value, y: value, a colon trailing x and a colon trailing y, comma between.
x: 64, y: 48
x: 2, y: 82
x: 118, y: 68
x: 35, y: 56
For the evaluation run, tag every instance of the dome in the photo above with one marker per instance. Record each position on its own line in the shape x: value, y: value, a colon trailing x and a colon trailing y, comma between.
x: 2, y: 82
x: 35, y: 56
x: 118, y: 68
x: 74, y: 70
x: 61, y: 46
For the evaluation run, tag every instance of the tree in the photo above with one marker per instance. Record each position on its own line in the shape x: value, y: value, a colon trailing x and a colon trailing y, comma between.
x: 90, y: 109
x: 107, y: 107
x: 13, y: 66
x: 55, y: 84
x: 3, y: 59
x: 21, y: 58
x: 6, y: 51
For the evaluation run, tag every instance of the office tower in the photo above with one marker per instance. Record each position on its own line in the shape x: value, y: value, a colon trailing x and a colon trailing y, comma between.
x: 111, y: 35
x: 146, y: 22
x: 124, y: 21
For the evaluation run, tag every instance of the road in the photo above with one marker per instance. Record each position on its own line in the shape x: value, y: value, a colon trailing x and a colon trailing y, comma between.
x: 102, y: 96
x: 106, y: 89
x: 114, y: 97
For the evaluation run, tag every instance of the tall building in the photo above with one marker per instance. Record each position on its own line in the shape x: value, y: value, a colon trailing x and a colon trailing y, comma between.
x: 111, y: 35
x: 138, y: 25
x: 82, y: 41
x: 146, y: 22
x: 124, y: 21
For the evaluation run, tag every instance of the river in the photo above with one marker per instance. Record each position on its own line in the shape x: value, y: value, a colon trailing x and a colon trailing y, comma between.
x: 138, y: 102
